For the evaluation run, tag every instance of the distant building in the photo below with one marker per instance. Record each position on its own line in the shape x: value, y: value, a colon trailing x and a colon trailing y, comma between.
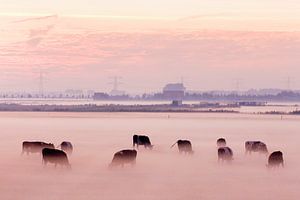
x: 251, y: 103
x: 174, y: 91
x: 73, y: 92
x: 117, y: 92
x: 176, y: 103
x: 100, y: 96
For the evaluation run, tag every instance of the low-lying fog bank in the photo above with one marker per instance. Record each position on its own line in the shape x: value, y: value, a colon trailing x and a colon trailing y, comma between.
x: 159, y: 174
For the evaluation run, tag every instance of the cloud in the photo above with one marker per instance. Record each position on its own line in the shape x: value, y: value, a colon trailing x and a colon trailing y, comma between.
x: 158, y: 55
x: 34, y: 41
x: 36, y: 19
x: 197, y: 17
x: 40, y: 32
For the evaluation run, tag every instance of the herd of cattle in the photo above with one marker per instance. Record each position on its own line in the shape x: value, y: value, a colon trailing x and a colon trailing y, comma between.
x: 128, y: 156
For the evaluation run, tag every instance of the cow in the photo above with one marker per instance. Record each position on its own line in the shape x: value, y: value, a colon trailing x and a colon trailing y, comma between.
x: 35, y: 147
x: 66, y: 147
x: 255, y: 146
x: 221, y: 142
x: 142, y: 140
x: 184, y: 146
x: 127, y: 156
x: 275, y: 159
x: 55, y: 156
x: 225, y: 154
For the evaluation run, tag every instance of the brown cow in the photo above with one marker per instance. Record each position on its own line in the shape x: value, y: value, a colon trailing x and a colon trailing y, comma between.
x: 275, y: 159
x: 123, y: 157
x: 55, y: 156
x: 225, y: 154
x: 184, y: 146
x: 35, y: 147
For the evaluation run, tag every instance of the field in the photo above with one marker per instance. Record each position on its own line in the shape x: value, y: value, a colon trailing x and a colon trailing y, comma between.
x: 159, y: 174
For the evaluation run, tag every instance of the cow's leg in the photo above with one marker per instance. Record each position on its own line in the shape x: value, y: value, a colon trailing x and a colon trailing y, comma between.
x: 133, y: 163
x: 22, y: 152
x: 45, y: 163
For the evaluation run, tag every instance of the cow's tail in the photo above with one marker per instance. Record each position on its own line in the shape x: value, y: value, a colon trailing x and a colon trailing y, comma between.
x: 69, y: 166
x: 67, y: 163
x: 174, y: 144
x: 23, y: 148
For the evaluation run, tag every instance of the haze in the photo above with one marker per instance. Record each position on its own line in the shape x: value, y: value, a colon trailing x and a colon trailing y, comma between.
x: 159, y: 174
x: 80, y: 44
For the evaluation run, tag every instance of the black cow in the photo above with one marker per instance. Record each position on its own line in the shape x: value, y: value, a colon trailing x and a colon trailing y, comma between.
x: 55, y: 156
x: 255, y: 146
x: 142, y: 140
x: 225, y: 154
x: 184, y: 146
x: 275, y: 159
x: 35, y: 147
x: 221, y: 142
x: 123, y: 157
x: 66, y: 147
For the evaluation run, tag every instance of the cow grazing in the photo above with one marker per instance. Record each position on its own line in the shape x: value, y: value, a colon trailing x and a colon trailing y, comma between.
x: 35, y: 147
x: 142, y: 140
x: 221, y: 142
x: 55, y: 156
x: 66, y: 147
x: 275, y: 159
x: 123, y: 157
x: 225, y: 154
x: 255, y: 146
x: 184, y: 146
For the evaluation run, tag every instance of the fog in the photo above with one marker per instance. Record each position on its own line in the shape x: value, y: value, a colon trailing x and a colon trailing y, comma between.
x: 159, y: 174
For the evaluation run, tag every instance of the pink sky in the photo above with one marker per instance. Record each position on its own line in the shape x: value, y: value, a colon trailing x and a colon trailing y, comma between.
x: 80, y: 44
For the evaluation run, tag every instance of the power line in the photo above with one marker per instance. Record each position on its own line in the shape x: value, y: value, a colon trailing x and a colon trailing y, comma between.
x: 41, y: 83
x: 237, y: 83
x: 116, y: 82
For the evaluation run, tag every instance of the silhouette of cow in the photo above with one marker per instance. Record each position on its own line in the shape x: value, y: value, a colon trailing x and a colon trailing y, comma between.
x: 275, y: 159
x: 142, y: 140
x: 255, y: 146
x: 184, y: 146
x: 66, y: 147
x: 35, y: 147
x: 221, y: 142
x: 225, y: 154
x: 123, y: 157
x: 55, y: 156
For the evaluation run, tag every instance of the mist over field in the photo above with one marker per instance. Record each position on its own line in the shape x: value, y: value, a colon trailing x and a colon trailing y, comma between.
x: 159, y: 174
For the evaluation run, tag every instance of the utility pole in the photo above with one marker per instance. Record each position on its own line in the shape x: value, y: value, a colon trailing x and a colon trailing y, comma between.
x: 116, y: 82
x: 41, y: 84
x: 237, y: 83
x: 289, y: 83
x: 181, y: 80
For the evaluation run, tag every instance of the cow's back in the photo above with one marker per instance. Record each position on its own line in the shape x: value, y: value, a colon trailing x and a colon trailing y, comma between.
x: 32, y: 146
x: 185, y: 146
x: 124, y: 156
x: 275, y: 158
x: 55, y: 156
